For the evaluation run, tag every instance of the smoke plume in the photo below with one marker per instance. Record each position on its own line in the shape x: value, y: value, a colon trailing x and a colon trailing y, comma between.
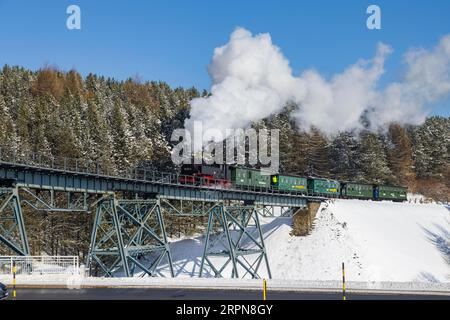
x: 252, y: 80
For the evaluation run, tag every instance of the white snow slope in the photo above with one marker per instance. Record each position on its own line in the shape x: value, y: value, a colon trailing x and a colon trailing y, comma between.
x: 377, y: 241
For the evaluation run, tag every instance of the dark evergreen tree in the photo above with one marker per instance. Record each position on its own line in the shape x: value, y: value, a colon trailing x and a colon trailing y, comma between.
x: 399, y: 152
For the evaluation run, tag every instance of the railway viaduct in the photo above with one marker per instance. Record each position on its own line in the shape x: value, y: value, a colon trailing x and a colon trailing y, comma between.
x: 129, y: 210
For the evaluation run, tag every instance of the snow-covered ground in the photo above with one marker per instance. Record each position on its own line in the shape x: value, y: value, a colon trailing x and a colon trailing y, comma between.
x: 384, y: 245
x: 378, y: 241
x: 417, y: 198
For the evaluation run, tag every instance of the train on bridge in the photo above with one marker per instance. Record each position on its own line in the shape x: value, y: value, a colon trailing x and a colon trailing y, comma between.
x: 241, y: 177
x: 129, y: 207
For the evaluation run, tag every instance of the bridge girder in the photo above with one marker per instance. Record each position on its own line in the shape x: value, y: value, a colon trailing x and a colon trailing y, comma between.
x: 234, y: 237
x: 12, y: 225
x: 51, y: 200
x: 124, y: 233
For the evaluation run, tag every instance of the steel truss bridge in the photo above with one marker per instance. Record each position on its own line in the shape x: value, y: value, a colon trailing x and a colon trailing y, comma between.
x: 128, y: 234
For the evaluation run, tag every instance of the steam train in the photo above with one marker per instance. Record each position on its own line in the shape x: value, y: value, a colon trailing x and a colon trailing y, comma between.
x: 226, y: 176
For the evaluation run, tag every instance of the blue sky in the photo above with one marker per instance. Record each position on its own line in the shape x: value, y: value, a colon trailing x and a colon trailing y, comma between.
x: 173, y: 40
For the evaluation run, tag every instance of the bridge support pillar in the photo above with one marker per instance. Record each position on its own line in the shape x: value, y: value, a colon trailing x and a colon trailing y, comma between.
x: 12, y: 226
x: 129, y: 236
x: 234, y: 243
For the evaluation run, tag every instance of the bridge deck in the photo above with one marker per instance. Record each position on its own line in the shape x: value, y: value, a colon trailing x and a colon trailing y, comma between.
x: 151, y: 183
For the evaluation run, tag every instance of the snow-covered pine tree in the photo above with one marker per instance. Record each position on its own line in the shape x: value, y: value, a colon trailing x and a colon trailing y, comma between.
x: 431, y: 147
x: 8, y: 137
x: 344, y: 157
x: 123, y: 141
x: 318, y: 154
x: 373, y: 161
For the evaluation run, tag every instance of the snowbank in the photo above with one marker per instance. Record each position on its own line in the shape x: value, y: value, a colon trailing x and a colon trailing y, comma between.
x: 395, y: 241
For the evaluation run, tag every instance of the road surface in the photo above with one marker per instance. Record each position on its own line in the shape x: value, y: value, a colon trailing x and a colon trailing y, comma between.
x: 196, y: 294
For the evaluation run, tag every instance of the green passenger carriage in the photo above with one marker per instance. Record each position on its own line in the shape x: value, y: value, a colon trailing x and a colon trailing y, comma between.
x: 356, y: 190
x: 324, y: 187
x: 289, y: 183
x: 390, y: 193
x: 252, y: 178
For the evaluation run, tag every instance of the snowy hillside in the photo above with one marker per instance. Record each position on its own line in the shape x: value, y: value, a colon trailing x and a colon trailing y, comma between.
x: 378, y: 241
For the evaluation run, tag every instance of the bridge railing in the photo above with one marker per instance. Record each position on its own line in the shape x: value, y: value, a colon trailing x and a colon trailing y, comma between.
x: 40, y: 265
x: 42, y: 160
x: 81, y: 166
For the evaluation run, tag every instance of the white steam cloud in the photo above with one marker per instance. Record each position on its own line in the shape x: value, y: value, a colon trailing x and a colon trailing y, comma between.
x: 252, y: 80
